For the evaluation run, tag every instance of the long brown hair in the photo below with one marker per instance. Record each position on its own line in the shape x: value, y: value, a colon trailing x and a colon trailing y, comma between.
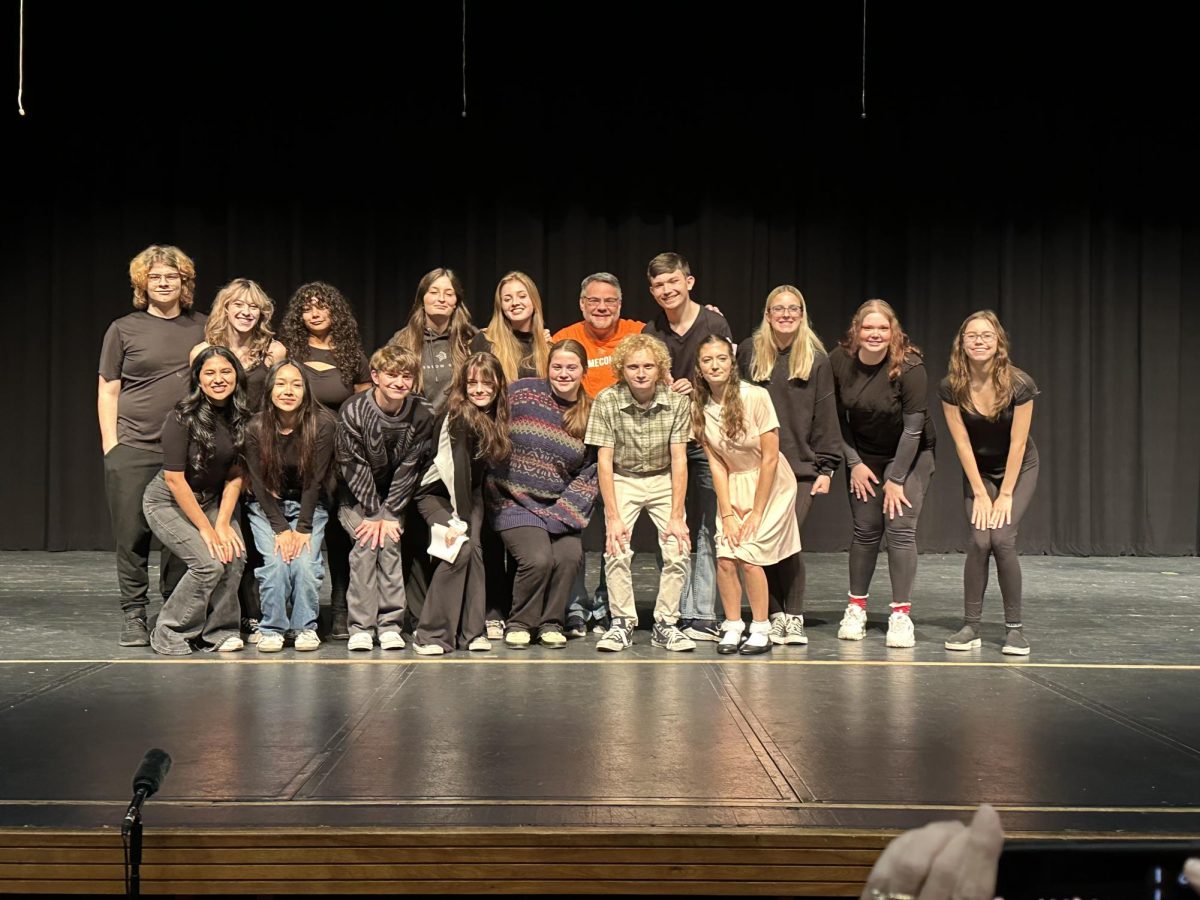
x: 733, y: 411
x: 900, y: 345
x: 306, y: 429
x: 412, y: 335
x: 576, y: 418
x: 490, y: 426
x: 505, y: 345
x: 1000, y: 367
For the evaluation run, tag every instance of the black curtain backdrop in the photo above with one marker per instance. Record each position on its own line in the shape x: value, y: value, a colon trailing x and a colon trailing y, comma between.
x: 1040, y: 163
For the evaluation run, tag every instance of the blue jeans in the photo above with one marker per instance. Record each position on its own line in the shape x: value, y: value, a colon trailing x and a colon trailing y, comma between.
x: 300, y: 579
x: 699, y: 598
x: 594, y: 607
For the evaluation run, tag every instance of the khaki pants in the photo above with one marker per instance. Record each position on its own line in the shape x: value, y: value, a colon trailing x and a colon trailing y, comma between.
x: 651, y: 493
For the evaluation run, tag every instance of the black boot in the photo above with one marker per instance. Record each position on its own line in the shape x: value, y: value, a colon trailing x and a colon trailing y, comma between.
x: 339, y: 629
x: 135, y: 633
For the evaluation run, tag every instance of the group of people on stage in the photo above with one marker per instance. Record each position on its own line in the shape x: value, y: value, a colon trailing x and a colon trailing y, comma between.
x: 456, y: 468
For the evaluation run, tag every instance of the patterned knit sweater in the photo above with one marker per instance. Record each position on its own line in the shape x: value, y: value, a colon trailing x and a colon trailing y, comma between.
x: 550, y: 479
x: 381, y: 456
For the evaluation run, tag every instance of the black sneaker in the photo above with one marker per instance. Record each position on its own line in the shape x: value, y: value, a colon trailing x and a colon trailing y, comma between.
x: 135, y: 632
x: 576, y: 627
x: 601, y: 625
x: 339, y: 629
x: 701, y: 630
x: 966, y: 638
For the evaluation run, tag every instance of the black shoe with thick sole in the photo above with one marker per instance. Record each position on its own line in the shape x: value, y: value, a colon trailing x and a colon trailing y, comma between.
x: 135, y: 632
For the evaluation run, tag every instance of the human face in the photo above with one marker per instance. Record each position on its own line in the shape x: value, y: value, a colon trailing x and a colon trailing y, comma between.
x: 218, y: 378
x: 287, y: 393
x: 440, y: 300
x: 481, y: 390
x: 671, y: 290
x: 785, y: 314
x: 875, y: 333
x: 601, y: 306
x: 641, y: 372
x: 393, y: 386
x: 164, y: 285
x: 979, y: 341
x: 243, y: 314
x: 715, y: 363
x: 316, y: 318
x: 566, y: 371
x: 516, y: 305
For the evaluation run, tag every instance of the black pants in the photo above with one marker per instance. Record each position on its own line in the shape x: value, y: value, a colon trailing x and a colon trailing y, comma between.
x: 1000, y: 543
x: 546, y: 566
x: 337, y: 547
x: 452, y: 615
x: 786, y: 579
x: 127, y: 471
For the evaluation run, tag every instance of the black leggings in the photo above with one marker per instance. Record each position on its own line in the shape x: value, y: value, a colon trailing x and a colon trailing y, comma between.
x: 1000, y: 543
x: 786, y: 579
x: 870, y: 524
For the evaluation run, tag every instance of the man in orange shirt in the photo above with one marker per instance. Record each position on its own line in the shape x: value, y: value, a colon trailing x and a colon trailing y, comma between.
x: 600, y: 331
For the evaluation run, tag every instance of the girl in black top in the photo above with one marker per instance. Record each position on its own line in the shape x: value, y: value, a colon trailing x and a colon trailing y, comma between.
x: 887, y: 440
x: 191, y: 504
x: 472, y: 433
x: 289, y: 452
x: 988, y: 404
x: 785, y: 356
x: 320, y: 331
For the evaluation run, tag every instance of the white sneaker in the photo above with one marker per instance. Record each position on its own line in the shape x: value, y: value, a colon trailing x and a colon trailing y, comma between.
x: 391, y: 640
x: 517, y: 638
x: 424, y: 649
x: 900, y: 631
x: 494, y: 629
x: 555, y: 639
x: 231, y: 644
x: 480, y: 643
x: 360, y: 640
x: 270, y: 642
x: 853, y: 626
x: 307, y: 640
x: 795, y: 630
x: 779, y: 628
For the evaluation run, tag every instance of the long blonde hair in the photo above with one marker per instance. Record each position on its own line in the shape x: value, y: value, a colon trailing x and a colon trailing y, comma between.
x: 505, y: 346
x: 805, y: 345
x: 733, y: 411
x: 900, y: 345
x: 412, y: 335
x: 1000, y: 368
x: 216, y: 332
x: 576, y: 418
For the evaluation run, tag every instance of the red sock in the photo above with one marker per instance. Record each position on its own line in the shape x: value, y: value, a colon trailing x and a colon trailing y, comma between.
x: 860, y: 602
x: 905, y: 608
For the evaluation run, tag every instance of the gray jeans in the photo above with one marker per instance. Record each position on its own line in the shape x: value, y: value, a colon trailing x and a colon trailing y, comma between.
x: 204, y: 605
x: 375, y: 599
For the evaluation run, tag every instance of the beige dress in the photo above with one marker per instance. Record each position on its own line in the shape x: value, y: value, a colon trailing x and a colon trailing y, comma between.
x: 777, y: 537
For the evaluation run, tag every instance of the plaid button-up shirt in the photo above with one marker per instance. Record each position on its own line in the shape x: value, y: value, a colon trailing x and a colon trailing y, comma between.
x: 641, y: 438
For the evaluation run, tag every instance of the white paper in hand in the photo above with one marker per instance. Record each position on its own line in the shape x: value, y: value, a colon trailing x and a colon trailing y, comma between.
x: 437, y: 543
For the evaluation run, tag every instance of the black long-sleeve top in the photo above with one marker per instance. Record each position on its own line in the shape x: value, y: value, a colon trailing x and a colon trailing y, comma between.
x: 294, y: 487
x: 809, y: 437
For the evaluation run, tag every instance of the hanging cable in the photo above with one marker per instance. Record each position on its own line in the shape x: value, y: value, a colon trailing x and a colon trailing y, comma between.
x: 864, y: 60
x: 464, y: 57
x: 21, y: 61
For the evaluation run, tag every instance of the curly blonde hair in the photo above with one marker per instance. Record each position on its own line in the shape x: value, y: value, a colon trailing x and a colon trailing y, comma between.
x: 162, y: 255
x: 637, y: 343
x: 216, y: 330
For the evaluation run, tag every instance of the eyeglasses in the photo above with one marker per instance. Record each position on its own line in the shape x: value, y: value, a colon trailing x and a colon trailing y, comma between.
x: 979, y: 337
x: 243, y: 306
x: 593, y: 302
x: 786, y: 310
x: 171, y: 277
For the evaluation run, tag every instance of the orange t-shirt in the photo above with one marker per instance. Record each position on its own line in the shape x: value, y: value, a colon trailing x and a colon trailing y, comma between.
x: 599, y: 374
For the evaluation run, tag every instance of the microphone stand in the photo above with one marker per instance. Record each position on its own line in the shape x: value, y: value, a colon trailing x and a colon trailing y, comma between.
x: 131, y: 830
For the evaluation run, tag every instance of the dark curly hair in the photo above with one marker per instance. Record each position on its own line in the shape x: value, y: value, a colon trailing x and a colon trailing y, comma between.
x: 197, y: 414
x: 343, y: 336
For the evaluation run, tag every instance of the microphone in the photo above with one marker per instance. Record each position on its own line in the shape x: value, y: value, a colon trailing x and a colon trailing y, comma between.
x: 146, y: 781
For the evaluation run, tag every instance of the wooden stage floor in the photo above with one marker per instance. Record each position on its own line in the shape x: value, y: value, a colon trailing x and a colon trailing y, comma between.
x: 572, y: 771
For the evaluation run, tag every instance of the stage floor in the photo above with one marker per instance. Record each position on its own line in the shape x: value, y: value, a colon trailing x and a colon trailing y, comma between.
x: 1097, y: 731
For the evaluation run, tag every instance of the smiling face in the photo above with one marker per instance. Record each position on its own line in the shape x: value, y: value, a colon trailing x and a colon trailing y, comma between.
x: 287, y: 393
x: 164, y: 285
x: 481, y: 390
x: 601, y: 306
x: 516, y: 304
x: 243, y: 314
x: 218, y: 379
x: 715, y: 363
x: 875, y: 333
x: 566, y: 373
x: 317, y: 318
x: 671, y: 290
x: 785, y: 314
x: 440, y: 299
x: 392, y: 386
x: 979, y: 341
